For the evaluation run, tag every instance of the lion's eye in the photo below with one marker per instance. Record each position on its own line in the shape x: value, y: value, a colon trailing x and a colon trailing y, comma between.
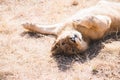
x: 75, y: 36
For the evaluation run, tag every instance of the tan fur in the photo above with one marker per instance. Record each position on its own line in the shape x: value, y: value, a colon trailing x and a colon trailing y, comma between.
x: 74, y: 35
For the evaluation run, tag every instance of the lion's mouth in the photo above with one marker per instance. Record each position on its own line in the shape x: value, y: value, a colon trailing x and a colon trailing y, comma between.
x: 75, y: 39
x: 80, y: 44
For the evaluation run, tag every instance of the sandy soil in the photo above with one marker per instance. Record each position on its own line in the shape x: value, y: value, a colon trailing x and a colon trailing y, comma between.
x: 26, y: 55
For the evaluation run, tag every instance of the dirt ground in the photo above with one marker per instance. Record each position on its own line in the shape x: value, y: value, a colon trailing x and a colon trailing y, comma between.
x: 26, y: 55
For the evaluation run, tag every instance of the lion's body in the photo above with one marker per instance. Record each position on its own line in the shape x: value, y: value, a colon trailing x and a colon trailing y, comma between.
x: 102, y: 9
x: 88, y: 24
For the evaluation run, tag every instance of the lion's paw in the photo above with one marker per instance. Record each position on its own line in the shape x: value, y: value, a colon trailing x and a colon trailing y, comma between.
x: 28, y: 26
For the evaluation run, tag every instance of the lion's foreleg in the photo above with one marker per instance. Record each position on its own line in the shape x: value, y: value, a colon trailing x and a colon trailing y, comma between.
x: 44, y: 29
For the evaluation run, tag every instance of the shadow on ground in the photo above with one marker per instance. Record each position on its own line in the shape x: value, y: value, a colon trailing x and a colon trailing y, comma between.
x: 30, y: 34
x: 65, y: 62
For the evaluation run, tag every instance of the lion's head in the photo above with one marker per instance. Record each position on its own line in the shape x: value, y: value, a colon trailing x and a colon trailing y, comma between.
x: 69, y: 42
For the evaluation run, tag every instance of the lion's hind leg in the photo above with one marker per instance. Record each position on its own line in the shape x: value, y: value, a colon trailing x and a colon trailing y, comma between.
x: 94, y: 26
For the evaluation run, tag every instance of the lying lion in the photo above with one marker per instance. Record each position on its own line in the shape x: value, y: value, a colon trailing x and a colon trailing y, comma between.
x: 76, y: 33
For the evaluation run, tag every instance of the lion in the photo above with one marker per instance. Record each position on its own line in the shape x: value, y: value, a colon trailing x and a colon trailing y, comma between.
x: 76, y: 33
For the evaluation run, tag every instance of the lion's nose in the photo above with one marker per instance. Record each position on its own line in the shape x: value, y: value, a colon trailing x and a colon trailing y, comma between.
x: 73, y: 38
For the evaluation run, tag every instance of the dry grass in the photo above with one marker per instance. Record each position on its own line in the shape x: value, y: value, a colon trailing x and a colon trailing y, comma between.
x: 26, y: 55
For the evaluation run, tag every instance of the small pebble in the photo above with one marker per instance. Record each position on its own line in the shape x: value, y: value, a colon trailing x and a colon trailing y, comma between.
x: 75, y: 3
